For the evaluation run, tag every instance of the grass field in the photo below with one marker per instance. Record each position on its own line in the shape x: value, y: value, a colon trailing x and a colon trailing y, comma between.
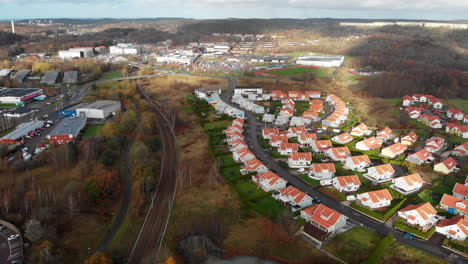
x: 399, y: 253
x: 110, y: 75
x: 295, y: 71
x: 460, y: 104
x: 93, y: 131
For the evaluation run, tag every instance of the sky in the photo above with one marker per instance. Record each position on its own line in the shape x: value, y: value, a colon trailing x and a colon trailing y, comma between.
x: 203, y: 9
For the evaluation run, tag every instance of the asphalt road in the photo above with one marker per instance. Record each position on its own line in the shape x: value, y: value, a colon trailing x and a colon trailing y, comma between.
x: 251, y: 133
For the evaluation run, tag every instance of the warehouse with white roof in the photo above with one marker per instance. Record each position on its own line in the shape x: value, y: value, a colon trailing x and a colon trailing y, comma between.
x: 99, y: 109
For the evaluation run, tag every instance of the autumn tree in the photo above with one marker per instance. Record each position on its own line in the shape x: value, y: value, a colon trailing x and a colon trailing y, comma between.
x: 99, y: 258
x: 170, y: 260
x: 109, y: 129
x: 129, y: 122
x: 34, y: 231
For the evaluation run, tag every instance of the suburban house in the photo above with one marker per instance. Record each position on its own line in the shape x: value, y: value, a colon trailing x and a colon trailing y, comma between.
x: 243, y: 155
x: 268, y: 118
x: 268, y: 132
x: 293, y: 198
x: 320, y: 146
x: 369, y: 144
x: 420, y: 157
x: 324, y: 218
x: 454, y: 228
x: 409, y: 139
x: 307, y: 139
x: 342, y: 138
x: 393, y: 151
x: 346, y: 183
x: 408, y: 184
x: 413, y: 112
x: 446, y: 166
x: 313, y: 94
x: 360, y: 130
x: 380, y: 173
x: 297, y: 121
x: 312, y: 116
x: 455, y: 113
x: 465, y: 119
x: 421, y: 215
x: 317, y: 108
x: 431, y: 120
x: 288, y: 148
x: 237, y: 145
x: 238, y: 121
x: 407, y: 100
x: 300, y: 160
x: 253, y: 165
x: 279, y: 95
x: 460, y: 191
x: 285, y: 111
x: 456, y: 129
x: 338, y: 154
x: 375, y: 199
x: 296, y: 131
x: 384, y: 134
x: 232, y: 136
x: 357, y: 162
x: 276, y: 141
x: 269, y: 181
x: 461, y: 150
x: 454, y: 205
x: 321, y: 171
x: 434, y: 144
x: 436, y: 103
x: 422, y: 98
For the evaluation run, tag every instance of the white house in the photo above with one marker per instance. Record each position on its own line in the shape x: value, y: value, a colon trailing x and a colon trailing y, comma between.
x: 288, y: 148
x: 357, y: 162
x: 268, y: 118
x: 420, y: 157
x: 267, y: 133
x: 346, y: 183
x: 297, y: 121
x: 430, y: 120
x: 407, y: 100
x: 369, y: 144
x: 408, y: 184
x: 434, y: 144
x: 375, y: 199
x: 296, y: 131
x: 421, y: 215
x: 422, y: 98
x: 460, y: 191
x: 409, y: 139
x: 243, y: 90
x: 276, y: 141
x: 456, y: 129
x: 321, y: 171
x: 293, y: 198
x: 300, y: 160
x: 455, y: 113
x: 320, y: 146
x: 342, y: 138
x: 454, y: 204
x: 360, y: 130
x: 324, y: 218
x: 307, y: 139
x: 254, y: 165
x: 243, y: 155
x: 281, y: 120
x: 237, y: 145
x: 269, y: 181
x: 380, y: 173
x: 384, y: 134
x: 454, y: 228
x: 338, y: 154
x: 461, y: 150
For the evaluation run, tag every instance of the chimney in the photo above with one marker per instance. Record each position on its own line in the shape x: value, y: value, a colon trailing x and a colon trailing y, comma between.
x: 13, y: 27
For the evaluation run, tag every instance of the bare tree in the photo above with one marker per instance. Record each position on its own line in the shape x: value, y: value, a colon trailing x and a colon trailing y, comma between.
x: 72, y: 206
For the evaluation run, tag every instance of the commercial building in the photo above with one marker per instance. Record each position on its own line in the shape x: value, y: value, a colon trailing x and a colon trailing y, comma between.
x: 248, y: 90
x: 67, y: 130
x: 18, y: 96
x: 70, y: 77
x: 99, y: 109
x: 19, y: 112
x: 321, y: 60
x: 71, y: 111
x: 20, y: 76
x: 51, y: 77
x: 125, y: 49
x: 178, y: 58
x: 21, y: 131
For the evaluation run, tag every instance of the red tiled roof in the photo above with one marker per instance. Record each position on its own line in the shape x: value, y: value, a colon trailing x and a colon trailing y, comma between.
x: 345, y: 138
x: 323, y: 144
x: 461, y: 189
x: 383, y: 194
x: 460, y: 221
x: 423, y: 154
x: 308, y: 136
x: 301, y: 156
x: 348, y: 180
x: 412, y: 179
x: 372, y: 142
x: 411, y: 137
x: 341, y: 152
x: 396, y: 148
x: 279, y: 139
x: 449, y: 163
x: 323, y: 215
x: 425, y: 210
x: 293, y: 146
x: 359, y: 159
x: 321, y: 167
x: 454, y: 202
x: 384, y: 168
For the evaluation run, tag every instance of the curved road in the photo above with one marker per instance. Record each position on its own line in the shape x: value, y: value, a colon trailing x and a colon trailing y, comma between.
x: 251, y: 138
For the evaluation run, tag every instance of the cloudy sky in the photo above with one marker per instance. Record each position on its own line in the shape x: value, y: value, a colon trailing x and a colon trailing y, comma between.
x: 402, y: 9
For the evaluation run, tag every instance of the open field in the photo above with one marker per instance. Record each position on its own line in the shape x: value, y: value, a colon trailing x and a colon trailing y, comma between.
x: 291, y: 71
x: 93, y: 131
x: 458, y: 103
x: 399, y: 253
x: 110, y: 75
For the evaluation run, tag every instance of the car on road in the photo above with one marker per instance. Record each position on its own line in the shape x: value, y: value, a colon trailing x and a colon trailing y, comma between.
x: 316, y: 200
x: 13, y: 237
x: 408, y: 235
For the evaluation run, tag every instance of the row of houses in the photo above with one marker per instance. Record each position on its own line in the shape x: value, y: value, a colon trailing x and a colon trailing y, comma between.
x: 247, y: 105
x: 339, y: 115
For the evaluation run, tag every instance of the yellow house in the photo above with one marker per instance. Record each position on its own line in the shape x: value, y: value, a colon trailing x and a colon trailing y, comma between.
x: 446, y: 166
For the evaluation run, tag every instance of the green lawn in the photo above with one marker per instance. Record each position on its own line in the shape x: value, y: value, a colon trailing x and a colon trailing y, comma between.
x: 248, y: 190
x: 458, y: 245
x: 93, y: 131
x: 267, y: 206
x: 400, y: 253
x: 296, y: 71
x: 460, y: 104
x: 309, y: 180
x: 110, y: 75
x: 353, y: 246
x: 227, y: 160
x: 425, y: 196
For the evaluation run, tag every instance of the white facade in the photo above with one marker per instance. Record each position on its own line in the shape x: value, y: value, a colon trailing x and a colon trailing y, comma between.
x: 99, y: 109
x: 125, y: 49
x: 320, y: 60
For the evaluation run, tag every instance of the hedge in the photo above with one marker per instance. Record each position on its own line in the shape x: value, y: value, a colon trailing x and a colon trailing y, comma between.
x: 401, y: 225
x: 376, y: 255
x: 394, y: 209
x: 376, y: 214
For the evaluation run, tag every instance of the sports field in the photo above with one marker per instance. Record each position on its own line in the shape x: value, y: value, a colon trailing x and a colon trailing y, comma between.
x: 291, y: 71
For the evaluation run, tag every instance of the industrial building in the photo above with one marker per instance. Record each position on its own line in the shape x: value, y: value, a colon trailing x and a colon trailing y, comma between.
x: 78, y: 52
x: 99, y: 109
x: 67, y: 130
x: 21, y: 131
x: 320, y: 60
x: 71, y: 111
x: 51, y: 77
x: 125, y: 49
x: 178, y: 58
x: 18, y: 96
x: 5, y: 73
x: 70, y: 77
x: 248, y: 90
x: 19, y: 112
x: 21, y: 76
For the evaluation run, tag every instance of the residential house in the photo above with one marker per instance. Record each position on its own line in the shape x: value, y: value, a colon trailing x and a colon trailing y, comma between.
x: 281, y: 120
x: 461, y: 150
x: 338, y: 154
x: 461, y: 191
x: 234, y: 128
x: 300, y: 160
x: 313, y: 94
x: 285, y: 111
x: 313, y: 116
x: 408, y: 184
x: 243, y: 155
x: 346, y: 183
x: 254, y: 165
x: 420, y: 157
x: 454, y: 228
x: 455, y: 113
x: 232, y: 136
x: 321, y: 171
x: 296, y: 131
x: 369, y: 144
x: 324, y: 218
x: 268, y: 132
x: 288, y: 148
x: 421, y: 215
x: 409, y: 139
x: 380, y: 173
x: 316, y: 108
x: 297, y: 121
x: 293, y: 198
x: 422, y: 98
x: 454, y: 204
x: 279, y: 95
x: 238, y: 122
x: 276, y: 141
x: 393, y: 151
x: 436, y: 103
x: 307, y: 139
x: 320, y: 146
x: 375, y: 199
x: 413, y: 112
x: 357, y: 162
x: 269, y: 181
x: 237, y: 145
x: 446, y: 166
x: 384, y: 134
x: 268, y: 118
x: 458, y: 130
x: 465, y: 119
x: 434, y: 144
x: 342, y: 138
x: 431, y: 121
x: 407, y: 100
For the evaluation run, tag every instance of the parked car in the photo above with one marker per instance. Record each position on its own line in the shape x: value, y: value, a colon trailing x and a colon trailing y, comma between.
x: 316, y: 200
x: 13, y: 237
x: 408, y: 235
